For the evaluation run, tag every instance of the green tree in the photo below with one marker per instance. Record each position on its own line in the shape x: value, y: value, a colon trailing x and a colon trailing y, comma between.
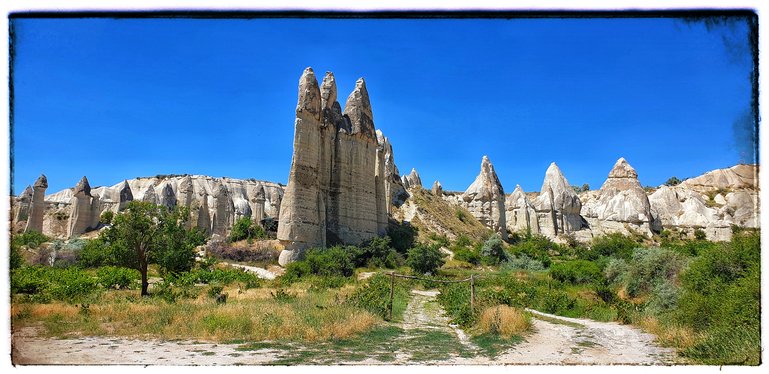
x: 145, y: 233
x: 244, y: 228
x: 493, y: 251
x: 672, y: 181
x: 424, y: 259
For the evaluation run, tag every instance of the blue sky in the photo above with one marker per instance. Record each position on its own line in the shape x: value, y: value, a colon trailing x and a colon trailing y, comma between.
x: 117, y: 99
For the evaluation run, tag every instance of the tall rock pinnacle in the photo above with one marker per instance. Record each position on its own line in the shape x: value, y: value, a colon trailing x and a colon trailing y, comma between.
x: 485, y: 199
x: 358, y: 110
x: 37, y: 205
x: 558, y: 205
x: 85, y: 209
x: 622, y: 199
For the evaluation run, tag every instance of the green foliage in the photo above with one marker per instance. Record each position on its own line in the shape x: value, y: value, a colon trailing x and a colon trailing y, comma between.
x: 651, y: 267
x: 16, y: 260
x: 424, y: 259
x: 70, y: 285
x: 402, y: 235
x: 374, y: 297
x: 283, y: 296
x: 699, y: 234
x: 468, y: 255
x: 721, y: 297
x: 106, y: 217
x: 522, y: 262
x: 216, y: 276
x: 673, y: 181
x: 377, y: 252
x: 455, y: 299
x: 30, y: 239
x: 244, y: 228
x: 330, y: 261
x: 117, y: 277
x: 492, y: 251
x: 576, y: 272
x: 95, y: 253
x: 614, y: 244
x: 537, y: 247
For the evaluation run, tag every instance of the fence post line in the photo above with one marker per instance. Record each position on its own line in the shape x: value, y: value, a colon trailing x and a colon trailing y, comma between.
x: 392, y: 291
x: 472, y: 293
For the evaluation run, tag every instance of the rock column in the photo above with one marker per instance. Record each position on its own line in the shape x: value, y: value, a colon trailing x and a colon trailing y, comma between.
x: 37, y: 205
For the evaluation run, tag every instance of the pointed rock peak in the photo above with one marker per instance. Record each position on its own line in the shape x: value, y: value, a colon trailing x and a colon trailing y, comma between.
x: 168, y: 190
x: 185, y: 184
x: 328, y: 90
x: 309, y: 93
x: 358, y: 110
x: 42, y: 182
x: 555, y: 180
x: 622, y: 169
x: 518, y: 188
x: 83, y: 187
x: 260, y: 193
x: 554, y: 169
x: 125, y: 192
x: 380, y: 138
x: 27, y: 193
x: 150, y: 195
x: 437, y: 188
x: 220, y: 189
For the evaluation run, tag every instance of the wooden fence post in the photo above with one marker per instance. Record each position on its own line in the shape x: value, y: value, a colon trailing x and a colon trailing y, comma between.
x: 392, y: 291
x: 472, y: 293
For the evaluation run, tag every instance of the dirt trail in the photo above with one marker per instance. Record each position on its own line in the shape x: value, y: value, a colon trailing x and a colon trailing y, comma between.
x: 426, y: 338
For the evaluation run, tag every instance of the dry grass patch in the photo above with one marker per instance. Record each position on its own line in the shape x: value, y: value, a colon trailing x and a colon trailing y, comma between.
x: 680, y: 337
x: 503, y: 320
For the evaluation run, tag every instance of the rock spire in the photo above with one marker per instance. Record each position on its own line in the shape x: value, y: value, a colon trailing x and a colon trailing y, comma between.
x: 485, y: 199
x: 37, y: 205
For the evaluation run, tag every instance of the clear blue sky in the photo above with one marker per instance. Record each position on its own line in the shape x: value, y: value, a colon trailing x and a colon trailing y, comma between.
x: 117, y: 99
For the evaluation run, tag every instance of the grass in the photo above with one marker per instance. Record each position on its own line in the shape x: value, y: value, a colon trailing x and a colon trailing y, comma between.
x: 449, y: 217
x: 250, y: 316
x: 492, y: 344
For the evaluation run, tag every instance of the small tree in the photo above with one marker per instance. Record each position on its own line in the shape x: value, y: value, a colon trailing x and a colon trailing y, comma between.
x: 145, y: 233
x: 493, y: 250
x: 672, y: 181
x: 424, y: 259
x: 245, y: 228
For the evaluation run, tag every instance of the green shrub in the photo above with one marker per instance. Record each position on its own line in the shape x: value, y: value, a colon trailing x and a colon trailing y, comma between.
x: 522, y: 262
x: 455, y: 299
x: 616, y: 271
x: 374, y: 297
x: 16, y: 260
x: 614, y: 244
x: 492, y: 251
x: 650, y: 267
x: 95, y: 253
x: 118, y: 277
x: 576, y: 272
x: 537, y: 247
x: 424, y: 259
x: 330, y: 261
x: 402, y: 235
x: 106, y: 217
x: 31, y: 239
x: 73, y: 285
x: 467, y: 255
x: 244, y: 228
x: 377, y: 253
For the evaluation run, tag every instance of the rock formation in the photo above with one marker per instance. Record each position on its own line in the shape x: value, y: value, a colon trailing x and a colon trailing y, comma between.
x: 167, y: 197
x: 85, y: 209
x: 185, y: 191
x: 258, y: 212
x: 485, y: 199
x: 21, y: 206
x: 437, y: 189
x: 558, y: 206
x: 125, y: 196
x: 736, y: 177
x: 37, y: 205
x: 203, y: 219
x: 223, y: 216
x: 621, y: 205
x: 412, y: 180
x: 520, y: 214
x: 150, y: 196
x: 337, y: 172
x: 395, y: 192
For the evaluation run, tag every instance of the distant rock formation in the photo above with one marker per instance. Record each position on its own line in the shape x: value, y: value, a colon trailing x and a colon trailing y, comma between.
x: 150, y: 196
x: 22, y: 205
x: 557, y: 206
x: 259, y: 199
x: 37, y: 205
x: 621, y: 204
x: 223, y: 215
x: 203, y: 219
x: 412, y: 180
x: 485, y: 199
x: 125, y: 196
x: 336, y: 188
x: 167, y: 196
x: 395, y: 192
x: 735, y: 178
x: 520, y: 214
x: 85, y: 209
x: 437, y: 189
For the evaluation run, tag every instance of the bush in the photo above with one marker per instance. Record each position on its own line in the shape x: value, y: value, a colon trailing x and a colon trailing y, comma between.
x: 616, y: 271
x: 330, y: 261
x: 70, y: 285
x: 493, y: 251
x: 614, y: 244
x: 522, y: 262
x: 106, y: 217
x: 31, y: 239
x: 117, y: 277
x: 376, y: 252
x: 650, y: 267
x: 244, y: 228
x: 402, y: 235
x: 242, y: 253
x: 95, y: 253
x: 216, y: 276
x: 576, y: 272
x: 467, y: 255
x: 537, y: 247
x: 375, y: 295
x: 503, y: 320
x: 424, y: 259
x: 16, y: 260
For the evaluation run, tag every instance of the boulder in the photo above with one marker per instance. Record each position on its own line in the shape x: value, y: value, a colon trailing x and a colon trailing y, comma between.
x: 485, y: 199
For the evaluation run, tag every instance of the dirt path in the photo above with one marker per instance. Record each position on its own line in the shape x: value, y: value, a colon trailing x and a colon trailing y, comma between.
x: 423, y: 337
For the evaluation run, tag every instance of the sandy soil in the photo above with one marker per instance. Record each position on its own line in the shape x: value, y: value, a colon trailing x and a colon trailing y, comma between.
x: 572, y: 341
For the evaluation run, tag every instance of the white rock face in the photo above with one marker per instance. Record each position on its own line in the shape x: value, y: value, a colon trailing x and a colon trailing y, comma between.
x: 485, y: 199
x: 412, y: 180
x: 437, y: 189
x: 337, y: 187
x: 37, y: 205
x: 85, y: 210
x: 520, y: 214
x: 558, y: 206
x: 736, y: 177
